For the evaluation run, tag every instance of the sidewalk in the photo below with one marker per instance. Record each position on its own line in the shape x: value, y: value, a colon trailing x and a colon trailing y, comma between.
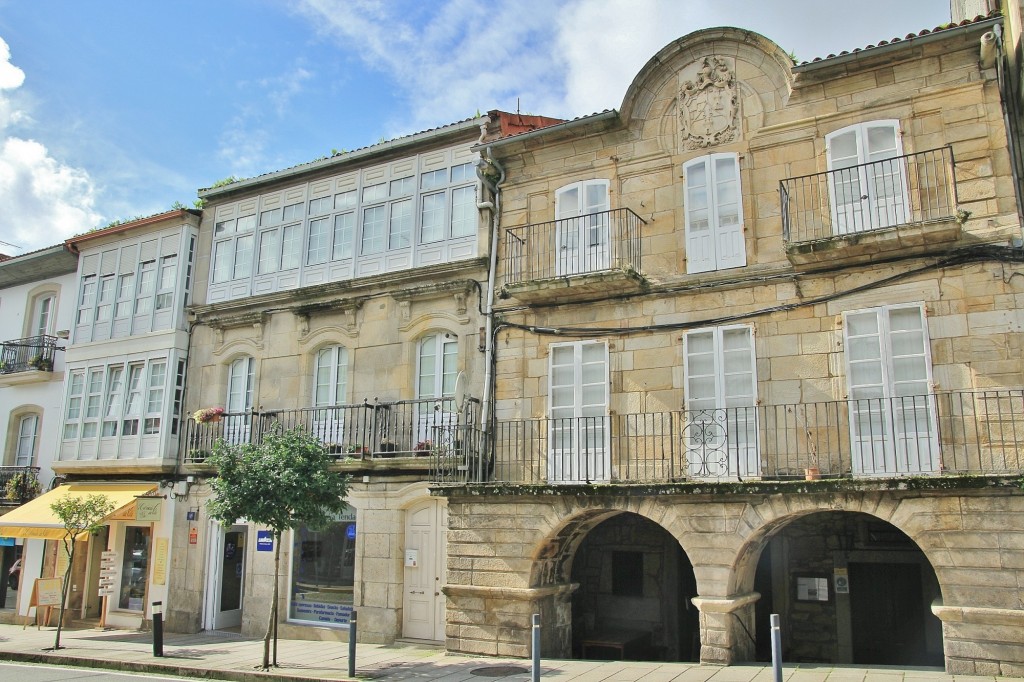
x: 233, y: 657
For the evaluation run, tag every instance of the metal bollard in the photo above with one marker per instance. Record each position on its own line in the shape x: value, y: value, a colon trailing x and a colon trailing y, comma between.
x: 352, y: 628
x: 535, y: 672
x: 776, y: 648
x: 158, y: 628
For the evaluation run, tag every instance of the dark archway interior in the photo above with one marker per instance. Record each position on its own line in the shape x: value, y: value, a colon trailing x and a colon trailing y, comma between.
x: 850, y: 588
x: 633, y: 602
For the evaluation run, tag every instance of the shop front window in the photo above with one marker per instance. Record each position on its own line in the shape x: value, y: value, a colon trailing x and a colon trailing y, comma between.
x: 323, y: 572
x: 134, y: 568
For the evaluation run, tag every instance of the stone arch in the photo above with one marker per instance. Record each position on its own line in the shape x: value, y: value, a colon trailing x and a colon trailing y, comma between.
x: 768, y: 519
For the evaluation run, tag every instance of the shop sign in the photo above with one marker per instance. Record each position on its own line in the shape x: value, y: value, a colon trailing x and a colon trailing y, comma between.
x: 148, y: 508
x: 264, y: 541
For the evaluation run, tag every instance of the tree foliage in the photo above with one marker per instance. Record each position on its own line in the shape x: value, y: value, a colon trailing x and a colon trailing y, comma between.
x: 78, y: 515
x: 282, y: 482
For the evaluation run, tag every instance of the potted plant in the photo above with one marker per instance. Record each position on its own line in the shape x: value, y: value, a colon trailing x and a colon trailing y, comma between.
x: 357, y: 449
x: 208, y: 414
x: 423, y: 447
x: 41, y: 363
x: 21, y: 486
x: 811, y: 471
x: 388, y: 445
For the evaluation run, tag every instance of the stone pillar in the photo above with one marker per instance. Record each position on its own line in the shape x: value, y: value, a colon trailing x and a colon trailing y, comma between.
x: 727, y: 628
x: 497, y: 620
x: 982, y: 641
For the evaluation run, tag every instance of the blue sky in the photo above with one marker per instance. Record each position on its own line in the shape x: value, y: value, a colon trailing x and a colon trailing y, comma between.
x: 115, y: 108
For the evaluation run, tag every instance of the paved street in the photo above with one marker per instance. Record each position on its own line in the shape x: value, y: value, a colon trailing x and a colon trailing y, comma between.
x: 232, y: 657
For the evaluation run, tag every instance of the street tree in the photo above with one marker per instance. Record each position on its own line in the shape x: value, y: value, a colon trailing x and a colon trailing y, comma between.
x: 282, y: 482
x: 80, y: 516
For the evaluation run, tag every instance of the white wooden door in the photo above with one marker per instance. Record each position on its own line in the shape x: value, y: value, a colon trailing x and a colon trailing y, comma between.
x: 714, y: 214
x: 892, y: 412
x: 868, y: 183
x: 582, y: 228
x: 720, y: 430
x: 425, y: 562
x: 227, y: 579
x: 578, y: 433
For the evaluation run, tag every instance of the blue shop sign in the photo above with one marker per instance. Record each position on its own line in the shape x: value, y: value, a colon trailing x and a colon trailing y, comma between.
x: 264, y: 541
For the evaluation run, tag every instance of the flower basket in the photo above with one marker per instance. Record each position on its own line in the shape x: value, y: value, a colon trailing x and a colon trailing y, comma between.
x: 208, y: 414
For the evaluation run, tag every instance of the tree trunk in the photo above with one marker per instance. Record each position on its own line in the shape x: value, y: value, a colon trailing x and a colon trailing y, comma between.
x: 277, y: 585
x: 272, y: 623
x: 64, y: 589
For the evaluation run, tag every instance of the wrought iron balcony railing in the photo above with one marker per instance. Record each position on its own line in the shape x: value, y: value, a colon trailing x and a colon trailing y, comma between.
x: 18, y: 485
x: 956, y: 432
x: 31, y: 353
x: 910, y: 189
x: 573, y: 246
x: 377, y: 430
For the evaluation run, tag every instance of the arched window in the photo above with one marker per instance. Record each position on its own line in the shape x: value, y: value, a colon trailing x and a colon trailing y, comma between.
x: 241, y: 380
x: 867, y: 181
x: 330, y: 376
x: 581, y: 227
x: 241, y: 377
x: 42, y: 314
x: 330, y: 380
x: 28, y: 436
x: 437, y: 369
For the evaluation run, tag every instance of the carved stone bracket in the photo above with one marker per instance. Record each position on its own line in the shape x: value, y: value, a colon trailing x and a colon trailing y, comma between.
x: 459, y: 291
x: 258, y: 321
x: 346, y: 307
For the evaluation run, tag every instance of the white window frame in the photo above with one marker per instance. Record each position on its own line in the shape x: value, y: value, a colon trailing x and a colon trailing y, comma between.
x: 582, y: 228
x: 437, y: 383
x: 867, y: 197
x: 887, y: 415
x: 43, y: 314
x: 330, y: 389
x: 721, y: 430
x: 585, y: 423
x: 27, y: 439
x: 239, y: 400
x: 718, y: 246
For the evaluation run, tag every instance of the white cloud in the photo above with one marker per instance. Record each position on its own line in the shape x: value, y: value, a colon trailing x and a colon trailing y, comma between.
x: 570, y: 57
x: 44, y: 200
x: 453, y: 59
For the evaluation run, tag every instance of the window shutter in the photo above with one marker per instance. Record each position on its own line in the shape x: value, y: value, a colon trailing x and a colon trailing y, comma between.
x: 700, y: 246
x: 728, y: 212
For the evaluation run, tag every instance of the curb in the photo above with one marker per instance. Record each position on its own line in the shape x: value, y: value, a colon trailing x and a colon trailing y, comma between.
x: 165, y: 669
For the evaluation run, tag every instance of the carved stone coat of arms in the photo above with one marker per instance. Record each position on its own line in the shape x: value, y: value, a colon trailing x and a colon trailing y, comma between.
x: 708, y: 105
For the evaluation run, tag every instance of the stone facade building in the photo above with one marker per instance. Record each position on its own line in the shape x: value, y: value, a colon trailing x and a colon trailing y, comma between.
x: 757, y: 349
x: 343, y: 295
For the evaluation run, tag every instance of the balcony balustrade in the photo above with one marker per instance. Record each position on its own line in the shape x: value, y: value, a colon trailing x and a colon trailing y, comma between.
x: 950, y: 432
x: 33, y: 353
x: 367, y: 430
x: 592, y: 243
x: 18, y: 484
x: 904, y: 190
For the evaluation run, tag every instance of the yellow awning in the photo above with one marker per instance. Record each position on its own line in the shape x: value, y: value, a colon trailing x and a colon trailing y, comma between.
x: 36, y: 520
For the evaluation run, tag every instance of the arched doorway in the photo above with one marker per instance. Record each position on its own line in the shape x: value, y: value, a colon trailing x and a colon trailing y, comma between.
x: 633, y: 601
x: 850, y: 588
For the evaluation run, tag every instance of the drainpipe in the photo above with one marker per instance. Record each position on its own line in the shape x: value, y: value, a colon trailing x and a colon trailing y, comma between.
x: 495, y: 208
x: 992, y: 50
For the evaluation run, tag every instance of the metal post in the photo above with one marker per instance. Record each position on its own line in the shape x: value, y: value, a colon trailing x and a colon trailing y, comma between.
x: 776, y: 648
x: 535, y: 672
x: 352, y: 628
x: 158, y: 628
